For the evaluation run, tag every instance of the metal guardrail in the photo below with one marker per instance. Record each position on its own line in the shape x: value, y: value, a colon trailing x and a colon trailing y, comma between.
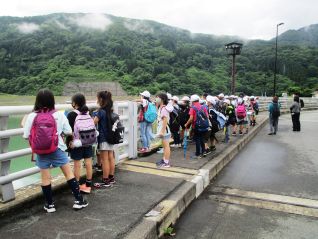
x: 128, y: 149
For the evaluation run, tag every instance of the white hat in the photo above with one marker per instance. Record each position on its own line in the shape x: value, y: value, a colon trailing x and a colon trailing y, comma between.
x: 227, y: 101
x: 232, y: 96
x: 202, y: 101
x: 210, y: 99
x: 194, y: 98
x: 185, y: 98
x: 175, y: 98
x: 169, y: 96
x: 252, y: 97
x: 221, y: 95
x: 226, y: 97
x: 145, y: 94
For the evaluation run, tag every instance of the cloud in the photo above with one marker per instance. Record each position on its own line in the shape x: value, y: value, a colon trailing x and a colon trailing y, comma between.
x: 92, y: 20
x: 27, y: 28
x: 60, y: 25
x: 139, y: 26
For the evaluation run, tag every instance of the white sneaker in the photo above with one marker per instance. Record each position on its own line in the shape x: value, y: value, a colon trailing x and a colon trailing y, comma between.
x: 160, y: 151
x: 179, y: 146
x: 49, y: 208
x: 173, y: 145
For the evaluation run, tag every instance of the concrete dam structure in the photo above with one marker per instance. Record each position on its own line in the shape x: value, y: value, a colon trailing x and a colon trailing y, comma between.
x: 91, y: 88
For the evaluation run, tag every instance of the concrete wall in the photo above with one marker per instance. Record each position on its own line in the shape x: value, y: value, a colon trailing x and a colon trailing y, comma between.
x: 91, y: 88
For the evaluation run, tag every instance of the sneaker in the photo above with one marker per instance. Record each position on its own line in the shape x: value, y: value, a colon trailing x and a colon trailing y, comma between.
x: 173, y: 145
x: 204, y: 154
x: 98, y: 168
x: 241, y: 133
x: 234, y: 134
x: 112, y: 180
x: 85, y: 189
x: 163, y: 164
x: 212, y: 148
x: 208, y: 151
x: 159, y: 162
x: 160, y: 151
x: 103, y: 184
x: 196, y: 157
x: 49, y: 208
x: 79, y: 205
x: 179, y: 146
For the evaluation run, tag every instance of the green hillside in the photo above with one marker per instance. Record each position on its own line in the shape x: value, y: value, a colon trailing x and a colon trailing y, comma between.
x: 48, y: 51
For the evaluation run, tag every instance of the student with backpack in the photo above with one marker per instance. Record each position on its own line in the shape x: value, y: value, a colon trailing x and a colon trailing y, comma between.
x: 174, y: 123
x: 44, y: 128
x: 214, y: 122
x: 241, y: 115
x: 147, y: 115
x: 105, y: 147
x: 84, y: 136
x: 163, y: 129
x: 274, y: 114
x: 200, y: 124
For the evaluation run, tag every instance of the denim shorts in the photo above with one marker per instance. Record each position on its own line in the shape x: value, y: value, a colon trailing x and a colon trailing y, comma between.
x: 81, y: 153
x: 56, y: 159
x: 167, y: 137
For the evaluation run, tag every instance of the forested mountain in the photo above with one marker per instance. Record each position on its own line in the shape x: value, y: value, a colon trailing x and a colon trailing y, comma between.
x: 48, y: 51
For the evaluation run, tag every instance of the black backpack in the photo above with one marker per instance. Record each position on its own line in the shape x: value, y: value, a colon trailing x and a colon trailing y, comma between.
x: 115, y: 129
x: 276, y: 110
x: 302, y: 104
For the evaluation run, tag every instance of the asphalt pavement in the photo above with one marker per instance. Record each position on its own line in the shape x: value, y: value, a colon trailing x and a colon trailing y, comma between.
x: 268, y: 191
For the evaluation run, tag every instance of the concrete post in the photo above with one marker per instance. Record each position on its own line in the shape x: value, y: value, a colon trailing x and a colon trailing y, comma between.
x: 6, y: 190
x: 132, y: 127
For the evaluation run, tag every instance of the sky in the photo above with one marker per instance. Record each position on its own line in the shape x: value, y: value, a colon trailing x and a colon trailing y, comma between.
x: 251, y: 19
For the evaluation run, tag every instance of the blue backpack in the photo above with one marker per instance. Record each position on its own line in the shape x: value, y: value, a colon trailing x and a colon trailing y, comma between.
x: 221, y: 119
x: 151, y: 113
x: 202, y: 120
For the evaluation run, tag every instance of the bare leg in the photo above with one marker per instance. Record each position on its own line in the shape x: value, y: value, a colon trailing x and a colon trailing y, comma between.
x: 111, y: 160
x: 166, y: 149
x: 89, y: 168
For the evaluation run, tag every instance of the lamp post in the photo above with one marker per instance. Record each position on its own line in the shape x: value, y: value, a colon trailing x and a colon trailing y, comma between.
x: 275, y: 69
x: 233, y: 49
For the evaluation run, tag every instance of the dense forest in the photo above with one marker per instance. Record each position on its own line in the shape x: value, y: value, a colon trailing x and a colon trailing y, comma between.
x: 48, y: 51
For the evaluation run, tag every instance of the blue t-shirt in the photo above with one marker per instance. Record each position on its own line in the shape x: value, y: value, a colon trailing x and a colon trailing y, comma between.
x: 102, y: 125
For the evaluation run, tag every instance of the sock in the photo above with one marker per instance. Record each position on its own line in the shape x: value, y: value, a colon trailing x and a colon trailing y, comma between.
x: 47, y: 192
x: 75, y: 189
x: 111, y: 176
x: 105, y: 179
x: 88, y: 183
x: 166, y: 161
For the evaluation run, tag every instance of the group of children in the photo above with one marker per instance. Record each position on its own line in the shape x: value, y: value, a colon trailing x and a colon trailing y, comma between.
x: 197, y: 119
x: 52, y: 134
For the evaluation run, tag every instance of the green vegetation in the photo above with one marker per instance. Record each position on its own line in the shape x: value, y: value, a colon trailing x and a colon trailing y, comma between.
x: 48, y: 51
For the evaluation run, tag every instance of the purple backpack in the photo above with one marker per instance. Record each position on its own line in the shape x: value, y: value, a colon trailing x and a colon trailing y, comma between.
x: 43, y: 137
x: 84, y: 129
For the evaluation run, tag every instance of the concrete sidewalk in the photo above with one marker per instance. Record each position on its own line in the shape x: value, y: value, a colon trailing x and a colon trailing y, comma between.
x: 120, y: 211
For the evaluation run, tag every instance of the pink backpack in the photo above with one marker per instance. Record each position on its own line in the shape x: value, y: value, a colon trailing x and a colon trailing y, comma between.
x: 241, y: 111
x: 84, y: 129
x: 43, y: 137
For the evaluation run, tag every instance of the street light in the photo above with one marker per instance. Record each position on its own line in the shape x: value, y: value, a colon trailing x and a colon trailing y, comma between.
x: 276, y: 56
x: 233, y: 49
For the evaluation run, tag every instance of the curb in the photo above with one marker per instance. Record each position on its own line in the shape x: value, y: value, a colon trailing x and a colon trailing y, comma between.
x: 176, y: 203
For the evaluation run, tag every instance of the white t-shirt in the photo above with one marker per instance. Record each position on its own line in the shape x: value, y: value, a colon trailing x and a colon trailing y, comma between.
x: 144, y: 103
x: 62, y: 126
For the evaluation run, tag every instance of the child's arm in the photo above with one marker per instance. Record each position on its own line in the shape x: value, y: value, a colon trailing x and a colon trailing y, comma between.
x: 164, y: 126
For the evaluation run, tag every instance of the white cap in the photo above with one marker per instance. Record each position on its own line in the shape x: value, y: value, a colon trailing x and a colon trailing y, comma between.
x: 232, y: 96
x: 211, y: 99
x: 185, y: 98
x: 145, y: 94
x: 252, y: 97
x: 169, y: 96
x: 175, y: 98
x: 194, y: 98
x: 227, y: 101
x: 226, y: 97
x: 221, y: 95
x: 202, y: 101
x: 245, y: 98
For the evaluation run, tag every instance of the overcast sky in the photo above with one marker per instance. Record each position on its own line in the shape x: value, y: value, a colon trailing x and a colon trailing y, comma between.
x: 246, y: 18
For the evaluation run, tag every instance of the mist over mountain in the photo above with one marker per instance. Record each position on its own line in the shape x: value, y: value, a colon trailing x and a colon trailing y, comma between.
x: 51, y: 50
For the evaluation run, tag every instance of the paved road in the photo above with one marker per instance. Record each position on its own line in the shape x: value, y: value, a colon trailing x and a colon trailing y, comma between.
x: 264, y: 192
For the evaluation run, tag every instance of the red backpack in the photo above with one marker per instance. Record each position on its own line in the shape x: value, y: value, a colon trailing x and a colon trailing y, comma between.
x: 43, y: 137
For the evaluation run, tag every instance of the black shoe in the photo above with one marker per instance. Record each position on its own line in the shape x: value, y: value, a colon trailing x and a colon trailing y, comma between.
x: 204, y: 154
x: 80, y: 205
x: 270, y: 133
x: 49, y: 208
x: 208, y: 151
x: 213, y: 148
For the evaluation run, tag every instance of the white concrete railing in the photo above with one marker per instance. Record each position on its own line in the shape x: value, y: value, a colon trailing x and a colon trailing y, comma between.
x: 128, y: 149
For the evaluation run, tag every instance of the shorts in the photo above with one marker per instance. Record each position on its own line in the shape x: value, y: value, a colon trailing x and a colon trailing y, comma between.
x: 56, y: 159
x: 206, y: 136
x: 241, y: 121
x: 166, y: 137
x: 105, y: 146
x: 81, y: 153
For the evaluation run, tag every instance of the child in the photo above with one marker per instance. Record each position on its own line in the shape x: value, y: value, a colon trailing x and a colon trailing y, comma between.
x: 253, y: 108
x: 106, y: 150
x: 184, y: 113
x: 145, y: 127
x: 198, y: 112
x: 174, y: 123
x: 240, y: 115
x: 213, y: 119
x: 231, y: 118
x: 79, y: 153
x: 45, y: 103
x: 163, y: 129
